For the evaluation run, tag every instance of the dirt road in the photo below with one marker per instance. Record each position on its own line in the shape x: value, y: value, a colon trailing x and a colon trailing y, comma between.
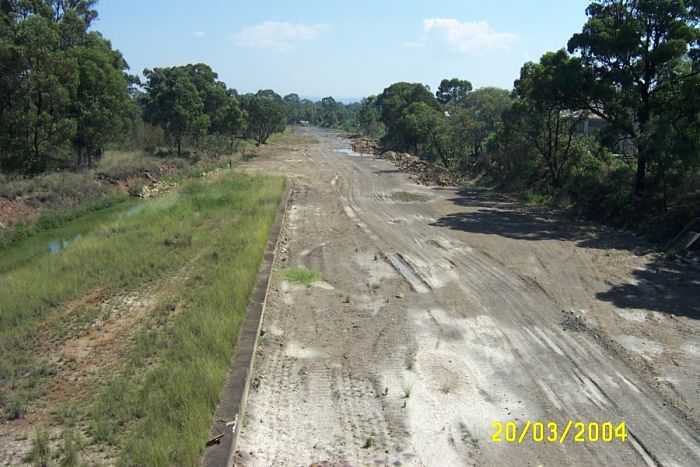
x: 442, y: 311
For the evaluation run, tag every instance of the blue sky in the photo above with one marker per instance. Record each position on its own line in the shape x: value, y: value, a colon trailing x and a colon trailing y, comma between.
x: 347, y: 49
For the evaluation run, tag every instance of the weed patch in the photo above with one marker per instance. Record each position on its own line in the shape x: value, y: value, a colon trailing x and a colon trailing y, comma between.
x: 301, y: 275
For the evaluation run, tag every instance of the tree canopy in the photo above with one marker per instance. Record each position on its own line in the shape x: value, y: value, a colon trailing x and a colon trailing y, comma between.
x: 266, y: 115
x: 635, y: 50
x: 64, y: 93
x: 453, y: 91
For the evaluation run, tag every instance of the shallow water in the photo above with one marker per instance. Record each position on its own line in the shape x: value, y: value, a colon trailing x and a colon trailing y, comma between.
x: 57, y: 245
x: 134, y: 210
x: 346, y: 151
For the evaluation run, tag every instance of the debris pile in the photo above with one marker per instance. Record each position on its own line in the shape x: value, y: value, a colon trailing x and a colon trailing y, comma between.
x: 363, y: 145
x: 425, y: 172
x: 156, y: 188
x: 213, y: 173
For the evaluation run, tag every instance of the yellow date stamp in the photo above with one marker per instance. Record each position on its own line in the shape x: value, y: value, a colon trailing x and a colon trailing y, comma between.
x: 554, y: 432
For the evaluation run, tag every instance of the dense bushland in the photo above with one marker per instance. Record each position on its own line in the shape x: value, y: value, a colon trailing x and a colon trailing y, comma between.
x: 609, y: 127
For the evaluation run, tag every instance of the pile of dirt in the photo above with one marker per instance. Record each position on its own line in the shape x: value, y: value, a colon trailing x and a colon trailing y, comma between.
x: 364, y: 145
x: 426, y: 173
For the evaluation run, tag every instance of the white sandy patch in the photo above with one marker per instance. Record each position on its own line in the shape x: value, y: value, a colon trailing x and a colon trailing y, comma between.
x: 692, y: 349
x: 288, y: 290
x: 424, y: 219
x: 373, y: 305
x: 436, y: 274
x: 646, y: 348
x: 636, y: 316
x: 295, y: 350
x: 457, y: 360
x: 376, y: 268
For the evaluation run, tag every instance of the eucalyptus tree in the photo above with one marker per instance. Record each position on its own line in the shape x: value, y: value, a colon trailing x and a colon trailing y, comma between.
x: 174, y: 103
x: 635, y: 49
x: 64, y: 90
x: 392, y: 103
x: 266, y: 115
x: 545, y: 116
x: 453, y: 91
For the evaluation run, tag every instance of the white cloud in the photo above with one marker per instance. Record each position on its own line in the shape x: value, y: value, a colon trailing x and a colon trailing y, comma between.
x: 278, y: 36
x: 468, y: 37
x: 199, y: 34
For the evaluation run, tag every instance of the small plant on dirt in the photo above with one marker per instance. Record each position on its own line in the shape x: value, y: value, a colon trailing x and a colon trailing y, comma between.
x: 66, y: 415
x: 369, y: 442
x: 14, y: 406
x: 376, y: 286
x: 301, y: 275
x: 407, y: 389
x: 347, y: 299
x: 70, y: 449
x: 40, y: 455
x: 446, y: 388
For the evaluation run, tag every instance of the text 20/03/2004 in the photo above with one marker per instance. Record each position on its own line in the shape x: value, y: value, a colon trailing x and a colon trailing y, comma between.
x: 554, y: 432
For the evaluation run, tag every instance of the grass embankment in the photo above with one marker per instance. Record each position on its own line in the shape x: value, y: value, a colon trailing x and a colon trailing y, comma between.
x: 50, y: 200
x: 200, y: 246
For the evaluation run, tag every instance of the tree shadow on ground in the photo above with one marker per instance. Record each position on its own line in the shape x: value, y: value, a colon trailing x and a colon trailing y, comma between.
x: 498, y: 214
x: 664, y: 286
x: 387, y: 171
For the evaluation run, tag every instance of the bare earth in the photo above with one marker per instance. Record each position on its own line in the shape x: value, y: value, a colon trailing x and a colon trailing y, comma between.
x: 442, y: 311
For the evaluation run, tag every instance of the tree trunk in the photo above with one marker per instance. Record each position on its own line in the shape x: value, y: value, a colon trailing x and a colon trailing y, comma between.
x: 640, y: 185
x: 179, y: 147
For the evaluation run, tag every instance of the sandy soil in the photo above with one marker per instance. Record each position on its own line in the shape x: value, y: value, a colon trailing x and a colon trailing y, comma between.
x: 444, y: 310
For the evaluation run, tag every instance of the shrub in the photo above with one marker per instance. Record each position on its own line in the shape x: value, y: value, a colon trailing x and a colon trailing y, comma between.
x: 604, y: 195
x: 121, y: 165
x: 53, y: 189
x: 14, y: 405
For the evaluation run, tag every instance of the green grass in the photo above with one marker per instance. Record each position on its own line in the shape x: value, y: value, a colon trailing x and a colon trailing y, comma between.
x: 301, y: 275
x: 70, y: 448
x: 40, y: 454
x: 156, y: 409
x: 535, y: 197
